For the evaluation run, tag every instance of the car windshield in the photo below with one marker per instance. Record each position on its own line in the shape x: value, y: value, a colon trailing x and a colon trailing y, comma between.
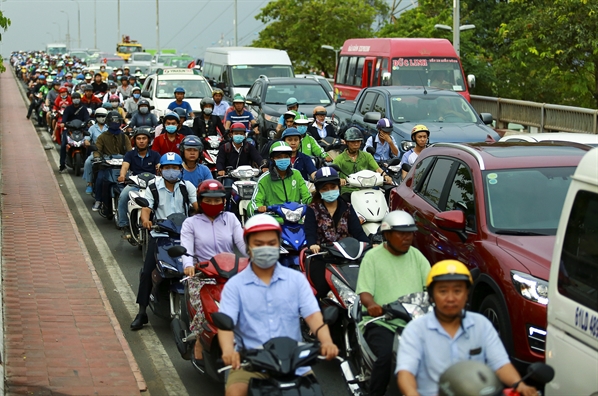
x: 194, y: 89
x: 526, y: 201
x: 442, y: 73
x: 164, y: 58
x: 245, y: 75
x: 178, y: 62
x: 56, y: 50
x: 142, y: 58
x: 144, y: 69
x: 115, y: 63
x: 129, y: 49
x: 428, y: 107
x: 313, y: 94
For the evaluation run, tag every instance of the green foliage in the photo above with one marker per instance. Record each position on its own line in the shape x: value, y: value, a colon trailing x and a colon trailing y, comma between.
x: 4, y: 24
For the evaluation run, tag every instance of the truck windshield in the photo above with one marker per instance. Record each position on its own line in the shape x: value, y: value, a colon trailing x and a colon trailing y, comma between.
x: 143, y: 58
x: 305, y: 94
x: 129, y: 49
x: 245, y: 75
x: 442, y: 73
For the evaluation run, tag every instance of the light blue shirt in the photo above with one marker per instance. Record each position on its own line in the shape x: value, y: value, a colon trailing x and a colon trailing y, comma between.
x: 382, y: 148
x: 262, y: 312
x: 220, y: 109
x: 426, y: 350
x: 94, y: 132
x: 170, y: 202
x: 184, y: 105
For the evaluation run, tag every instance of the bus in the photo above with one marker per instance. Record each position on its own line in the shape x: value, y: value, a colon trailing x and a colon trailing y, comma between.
x: 399, y: 61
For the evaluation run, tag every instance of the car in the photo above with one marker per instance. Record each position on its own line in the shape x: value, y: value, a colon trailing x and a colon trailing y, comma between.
x: 584, y: 138
x: 160, y: 88
x: 267, y: 99
x: 107, y: 59
x: 178, y: 61
x: 322, y: 80
x: 495, y: 207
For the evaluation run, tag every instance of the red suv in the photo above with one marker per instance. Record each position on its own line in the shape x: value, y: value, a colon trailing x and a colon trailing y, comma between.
x: 495, y: 207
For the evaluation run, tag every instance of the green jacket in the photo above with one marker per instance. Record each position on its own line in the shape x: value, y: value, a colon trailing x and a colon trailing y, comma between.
x: 272, y: 190
x: 345, y: 163
x: 309, y: 146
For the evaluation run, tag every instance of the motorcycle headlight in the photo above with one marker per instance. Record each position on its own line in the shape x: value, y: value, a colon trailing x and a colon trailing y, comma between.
x: 367, y: 181
x: 346, y: 294
x: 142, y: 183
x: 245, y: 173
x: 407, y: 145
x: 292, y: 215
x: 530, y: 287
x: 271, y: 135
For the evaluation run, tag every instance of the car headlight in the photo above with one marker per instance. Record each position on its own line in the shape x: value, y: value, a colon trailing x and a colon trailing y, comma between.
x: 346, y: 294
x: 270, y: 118
x: 407, y: 145
x: 530, y: 287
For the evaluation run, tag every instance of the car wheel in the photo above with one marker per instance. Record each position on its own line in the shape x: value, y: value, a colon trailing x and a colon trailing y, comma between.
x: 493, y: 309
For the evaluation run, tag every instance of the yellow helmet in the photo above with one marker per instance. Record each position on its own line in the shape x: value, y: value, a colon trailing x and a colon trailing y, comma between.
x: 449, y: 270
x: 419, y: 128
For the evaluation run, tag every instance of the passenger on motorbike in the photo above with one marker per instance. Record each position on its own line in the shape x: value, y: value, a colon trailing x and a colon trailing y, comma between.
x: 206, y: 123
x: 125, y: 89
x: 420, y: 135
x: 89, y: 99
x: 179, y: 94
x: 240, y: 114
x: 207, y: 233
x: 292, y: 105
x: 328, y: 219
x: 183, y: 129
x: 169, y: 141
x: 281, y: 184
x: 289, y: 297
x: 309, y: 145
x: 112, y: 90
x: 41, y: 82
x: 192, y: 153
x: 98, y: 85
x: 90, y: 142
x: 449, y: 334
x: 170, y: 188
x: 51, y: 99
x: 139, y: 160
x: 142, y: 117
x: 220, y: 105
x: 299, y: 161
x: 387, y: 272
x: 131, y: 104
x: 115, y: 102
x: 319, y: 129
x: 76, y: 111
x: 384, y: 144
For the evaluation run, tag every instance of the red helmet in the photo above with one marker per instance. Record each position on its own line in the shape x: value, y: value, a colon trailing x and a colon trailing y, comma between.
x: 114, y: 98
x: 259, y: 223
x: 63, y: 90
x: 211, y: 188
x: 238, y: 126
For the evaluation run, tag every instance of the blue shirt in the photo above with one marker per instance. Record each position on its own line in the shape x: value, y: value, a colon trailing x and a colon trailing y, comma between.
x: 246, y: 117
x: 426, y: 350
x: 184, y: 105
x: 95, y: 131
x: 170, y: 202
x: 138, y: 164
x: 199, y: 174
x: 220, y: 109
x: 304, y: 164
x: 383, y: 152
x: 262, y: 312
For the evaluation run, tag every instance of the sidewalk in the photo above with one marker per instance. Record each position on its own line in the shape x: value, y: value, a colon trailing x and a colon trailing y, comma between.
x: 61, y: 336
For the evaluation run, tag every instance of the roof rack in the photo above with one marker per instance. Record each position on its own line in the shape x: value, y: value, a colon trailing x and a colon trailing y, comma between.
x: 468, y: 149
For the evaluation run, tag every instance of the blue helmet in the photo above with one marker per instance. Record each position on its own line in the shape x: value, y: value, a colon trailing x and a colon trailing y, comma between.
x: 191, y: 141
x: 290, y: 132
x: 80, y: 77
x: 179, y: 89
x: 172, y: 115
x: 292, y: 102
x: 180, y: 111
x: 171, y: 159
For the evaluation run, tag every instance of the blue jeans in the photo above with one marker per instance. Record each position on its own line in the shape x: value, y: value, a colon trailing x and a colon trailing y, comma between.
x: 88, y: 170
x: 123, y: 219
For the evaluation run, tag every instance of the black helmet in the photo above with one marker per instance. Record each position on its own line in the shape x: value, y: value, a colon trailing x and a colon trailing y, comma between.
x: 469, y: 378
x: 114, y: 116
x: 111, y: 84
x: 87, y: 87
x: 191, y: 141
x: 142, y: 131
x: 326, y: 175
x: 76, y: 95
x: 353, y: 134
x: 143, y: 102
x: 206, y: 101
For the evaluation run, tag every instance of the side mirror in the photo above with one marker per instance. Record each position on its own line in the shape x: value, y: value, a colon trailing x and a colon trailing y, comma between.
x: 452, y: 220
x: 225, y: 90
x: 370, y: 150
x: 386, y: 78
x: 152, y: 108
x: 335, y: 167
x: 540, y: 372
x: 252, y: 101
x: 146, y: 94
x: 142, y: 202
x: 372, y: 117
x: 340, y: 99
x: 177, y: 251
x: 395, y: 161
x: 471, y: 80
x: 223, y: 321
x: 486, y: 118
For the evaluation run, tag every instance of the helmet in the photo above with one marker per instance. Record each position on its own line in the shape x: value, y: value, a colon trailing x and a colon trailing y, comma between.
x: 126, y: 68
x: 239, y: 98
x: 206, y: 101
x: 79, y: 76
x: 114, y: 116
x: 63, y: 90
x: 114, y: 98
x: 191, y: 141
x: 290, y: 132
x: 301, y: 119
x: 171, y: 159
x: 238, y: 126
x: 143, y: 102
x: 217, y: 91
x: 101, y: 111
x: 69, y: 74
x: 142, y: 131
x: 419, y: 128
x: 179, y: 89
x: 180, y: 111
x: 353, y: 134
x: 320, y: 110
x: 112, y: 84
x: 76, y: 95
x: 259, y: 223
x: 136, y: 89
x: 292, y: 102
x: 448, y: 270
x: 280, y: 147
x: 88, y: 76
x: 326, y: 175
x: 469, y: 378
x: 290, y: 114
x: 107, y: 105
x: 211, y: 188
x: 87, y: 87
x: 41, y: 77
x: 171, y: 115
x: 398, y: 220
x: 384, y: 124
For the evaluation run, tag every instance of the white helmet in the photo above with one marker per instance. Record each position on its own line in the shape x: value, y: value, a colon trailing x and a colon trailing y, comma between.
x: 398, y: 220
x: 259, y: 223
x: 101, y: 111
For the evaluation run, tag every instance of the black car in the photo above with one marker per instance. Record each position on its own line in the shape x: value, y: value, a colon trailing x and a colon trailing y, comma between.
x: 267, y: 99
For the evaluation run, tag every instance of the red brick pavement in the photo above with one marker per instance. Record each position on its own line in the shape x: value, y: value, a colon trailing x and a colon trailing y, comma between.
x: 61, y: 335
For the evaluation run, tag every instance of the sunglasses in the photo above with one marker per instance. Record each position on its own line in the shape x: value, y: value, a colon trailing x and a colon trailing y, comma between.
x: 320, y: 113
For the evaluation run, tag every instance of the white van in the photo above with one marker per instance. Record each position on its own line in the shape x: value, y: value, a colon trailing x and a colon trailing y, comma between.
x: 235, y: 69
x: 572, y: 334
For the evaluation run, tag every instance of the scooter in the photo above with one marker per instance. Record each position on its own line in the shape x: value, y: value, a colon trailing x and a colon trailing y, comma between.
x: 112, y: 163
x: 75, y: 145
x: 369, y: 202
x: 210, y: 152
x: 214, y: 273
x: 293, y: 232
x: 242, y: 190
x: 138, y: 233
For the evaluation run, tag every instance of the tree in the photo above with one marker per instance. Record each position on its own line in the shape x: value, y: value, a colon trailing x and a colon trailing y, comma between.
x: 301, y: 27
x: 4, y: 24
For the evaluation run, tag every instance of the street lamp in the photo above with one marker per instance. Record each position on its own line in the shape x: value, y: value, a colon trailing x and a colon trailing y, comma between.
x: 68, y: 29
x: 456, y: 33
x: 78, y: 24
x: 336, y: 51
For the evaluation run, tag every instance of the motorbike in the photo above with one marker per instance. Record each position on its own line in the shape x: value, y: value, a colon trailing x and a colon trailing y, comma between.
x: 280, y: 357
x: 112, y: 164
x: 369, y: 203
x: 242, y: 190
x: 210, y: 152
x: 38, y: 101
x: 214, y: 273
x: 293, y: 232
x: 76, y: 152
x: 138, y: 233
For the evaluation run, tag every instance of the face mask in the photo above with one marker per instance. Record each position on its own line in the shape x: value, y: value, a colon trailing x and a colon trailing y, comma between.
x: 238, y: 139
x: 114, y: 104
x: 207, y: 111
x: 172, y: 175
x: 113, y: 90
x: 330, y: 196
x: 170, y: 128
x: 114, y: 125
x: 63, y: 96
x: 302, y: 129
x: 136, y: 96
x: 143, y: 110
x: 100, y: 120
x: 265, y: 256
x: 212, y: 210
x: 283, y: 163
x: 76, y: 101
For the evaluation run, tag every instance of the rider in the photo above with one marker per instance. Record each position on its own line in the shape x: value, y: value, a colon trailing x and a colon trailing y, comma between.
x: 384, y: 144
x: 309, y: 145
x: 89, y: 99
x: 174, y: 195
x: 139, y: 160
x: 142, y: 117
x: 115, y: 102
x: 41, y: 82
x: 239, y: 114
x: 292, y: 105
x: 125, y: 89
x: 183, y: 129
x: 319, y: 129
x: 288, y: 297
x: 169, y: 141
x: 220, y: 105
x: 103, y: 73
x: 191, y: 151
x: 299, y: 161
x: 132, y: 103
x: 420, y: 135
x: 328, y: 219
x: 238, y: 152
x: 179, y: 94
x: 51, y: 98
x: 98, y: 85
x: 207, y: 233
x: 206, y: 123
x: 281, y: 184
x: 387, y: 272
x: 112, y: 90
x: 449, y: 334
x: 75, y: 111
x: 90, y: 141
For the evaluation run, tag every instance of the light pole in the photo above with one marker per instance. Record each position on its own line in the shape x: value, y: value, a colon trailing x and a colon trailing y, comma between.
x: 158, y: 27
x: 95, y: 25
x: 59, y: 33
x: 456, y: 34
x: 118, y: 20
x: 53, y: 39
x: 235, y: 25
x: 78, y: 24
x: 336, y: 51
x: 68, y: 29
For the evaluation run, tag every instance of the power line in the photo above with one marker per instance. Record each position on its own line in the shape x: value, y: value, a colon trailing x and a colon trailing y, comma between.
x: 214, y: 20
x: 244, y: 19
x: 187, y: 24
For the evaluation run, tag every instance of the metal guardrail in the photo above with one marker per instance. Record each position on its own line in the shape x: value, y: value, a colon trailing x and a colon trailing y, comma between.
x: 545, y: 117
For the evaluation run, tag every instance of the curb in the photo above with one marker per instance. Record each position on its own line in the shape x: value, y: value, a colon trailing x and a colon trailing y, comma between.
x: 2, y: 354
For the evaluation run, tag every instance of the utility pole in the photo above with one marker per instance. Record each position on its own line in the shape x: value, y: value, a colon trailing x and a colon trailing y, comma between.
x: 236, y: 25
x: 78, y: 24
x: 95, y: 25
x: 158, y: 27
x: 456, y: 26
x: 118, y: 19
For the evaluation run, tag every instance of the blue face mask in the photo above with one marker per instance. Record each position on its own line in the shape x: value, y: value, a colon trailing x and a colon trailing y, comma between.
x: 302, y: 129
x: 114, y: 127
x: 283, y: 163
x: 170, y: 128
x: 136, y: 96
x: 172, y: 175
x: 331, y: 195
x: 238, y: 139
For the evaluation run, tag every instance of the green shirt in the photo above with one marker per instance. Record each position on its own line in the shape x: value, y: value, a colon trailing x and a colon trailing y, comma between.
x: 272, y: 190
x: 309, y: 146
x: 387, y: 277
x: 364, y: 161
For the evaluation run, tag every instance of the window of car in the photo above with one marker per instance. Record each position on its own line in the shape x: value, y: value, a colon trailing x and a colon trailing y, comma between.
x: 311, y: 94
x: 367, y: 103
x: 194, y: 89
x: 255, y: 91
x: 461, y: 196
x: 351, y: 70
x: 435, y: 181
x: 359, y: 71
x: 380, y: 105
x: 420, y: 170
x: 578, y: 272
x: 342, y: 69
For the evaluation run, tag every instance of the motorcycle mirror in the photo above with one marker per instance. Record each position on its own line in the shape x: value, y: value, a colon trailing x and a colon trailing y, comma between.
x: 540, y: 372
x: 223, y: 321
x: 142, y: 202
x: 394, y: 161
x: 146, y: 94
x: 371, y: 150
x: 177, y: 251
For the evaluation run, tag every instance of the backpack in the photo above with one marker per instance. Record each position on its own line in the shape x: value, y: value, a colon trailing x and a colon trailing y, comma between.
x: 182, y: 186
